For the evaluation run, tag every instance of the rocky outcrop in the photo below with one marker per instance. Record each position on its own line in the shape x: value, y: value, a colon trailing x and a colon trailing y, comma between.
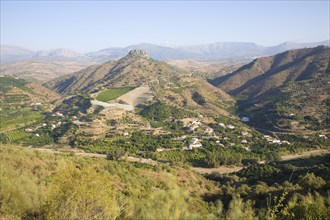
x: 140, y: 53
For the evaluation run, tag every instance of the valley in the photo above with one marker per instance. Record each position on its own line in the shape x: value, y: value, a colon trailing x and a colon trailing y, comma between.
x: 213, y: 139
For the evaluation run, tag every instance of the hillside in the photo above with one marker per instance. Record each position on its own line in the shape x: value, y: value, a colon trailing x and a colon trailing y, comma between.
x: 22, y: 102
x: 286, y: 91
x: 137, y: 69
x: 60, y: 185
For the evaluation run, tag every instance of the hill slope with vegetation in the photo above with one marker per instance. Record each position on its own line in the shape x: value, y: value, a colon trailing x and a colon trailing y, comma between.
x: 168, y: 83
x: 38, y: 185
x: 22, y: 102
x: 288, y: 91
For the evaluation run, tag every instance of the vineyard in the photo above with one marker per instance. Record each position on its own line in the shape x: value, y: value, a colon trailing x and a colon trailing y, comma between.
x: 16, y: 135
x: 113, y: 93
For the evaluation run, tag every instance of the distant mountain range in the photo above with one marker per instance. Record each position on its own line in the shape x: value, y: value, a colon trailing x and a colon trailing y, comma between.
x: 214, y: 51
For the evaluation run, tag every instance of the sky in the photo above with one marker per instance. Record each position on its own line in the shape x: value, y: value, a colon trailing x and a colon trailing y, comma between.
x: 87, y: 26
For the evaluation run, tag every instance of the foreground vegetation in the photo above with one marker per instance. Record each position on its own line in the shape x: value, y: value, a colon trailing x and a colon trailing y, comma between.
x: 36, y: 185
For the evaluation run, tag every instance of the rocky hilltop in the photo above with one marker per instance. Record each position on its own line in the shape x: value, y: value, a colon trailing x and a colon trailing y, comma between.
x: 140, y: 53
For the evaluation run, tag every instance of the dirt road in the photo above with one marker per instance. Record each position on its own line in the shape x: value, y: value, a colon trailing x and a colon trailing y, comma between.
x: 221, y: 169
x: 201, y: 170
x: 227, y: 169
x: 306, y: 154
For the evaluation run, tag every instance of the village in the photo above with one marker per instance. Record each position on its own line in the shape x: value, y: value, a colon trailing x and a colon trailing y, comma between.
x: 224, y: 133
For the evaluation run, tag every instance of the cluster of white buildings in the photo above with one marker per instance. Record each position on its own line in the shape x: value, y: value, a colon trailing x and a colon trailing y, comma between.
x: 226, y: 126
x: 193, y: 125
x: 274, y: 140
x: 196, y: 143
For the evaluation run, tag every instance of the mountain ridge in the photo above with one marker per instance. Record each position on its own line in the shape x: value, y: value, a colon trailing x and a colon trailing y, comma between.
x: 288, y: 91
x: 212, y: 51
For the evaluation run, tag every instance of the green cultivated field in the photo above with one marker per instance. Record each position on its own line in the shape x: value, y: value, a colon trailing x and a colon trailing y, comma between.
x: 16, y: 135
x: 113, y: 93
x: 11, y: 119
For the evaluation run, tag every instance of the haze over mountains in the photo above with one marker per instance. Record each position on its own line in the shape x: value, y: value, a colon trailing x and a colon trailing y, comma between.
x: 214, y: 51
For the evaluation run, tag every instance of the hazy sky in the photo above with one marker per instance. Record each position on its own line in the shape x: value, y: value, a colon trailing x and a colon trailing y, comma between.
x: 91, y: 25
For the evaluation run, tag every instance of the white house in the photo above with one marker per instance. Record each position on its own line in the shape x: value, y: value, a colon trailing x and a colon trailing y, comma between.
x: 245, y: 119
x: 195, y: 143
x: 244, y: 133
x: 58, y: 114
x: 208, y: 130
x: 230, y: 126
x: 276, y: 141
x: 192, y: 128
x: 125, y: 133
x: 222, y: 125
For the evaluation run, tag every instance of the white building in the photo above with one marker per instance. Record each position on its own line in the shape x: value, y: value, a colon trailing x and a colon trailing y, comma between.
x: 230, y: 126
x: 222, y: 125
x: 208, y: 130
x: 195, y: 144
x: 245, y: 119
x: 244, y: 133
x: 323, y: 136
x: 276, y: 141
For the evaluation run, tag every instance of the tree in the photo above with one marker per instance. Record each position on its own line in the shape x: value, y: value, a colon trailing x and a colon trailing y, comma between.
x: 312, y: 182
x: 273, y: 156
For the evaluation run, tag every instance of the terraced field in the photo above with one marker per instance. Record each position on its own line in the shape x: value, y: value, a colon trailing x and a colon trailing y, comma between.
x: 12, y: 119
